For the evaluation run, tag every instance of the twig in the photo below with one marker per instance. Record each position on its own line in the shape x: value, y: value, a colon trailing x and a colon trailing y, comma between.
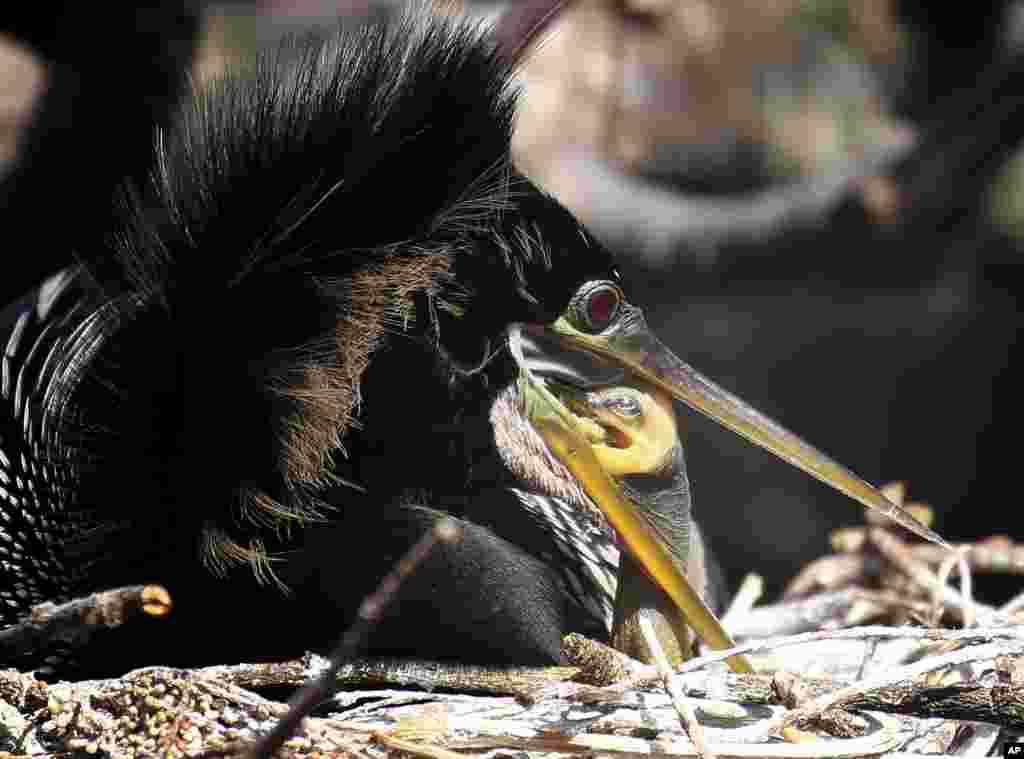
x: 895, y: 677
x: 884, y: 607
x: 377, y: 672
x: 83, y: 617
x: 601, y: 665
x: 832, y: 572
x: 679, y: 702
x: 956, y: 559
x: 416, y: 749
x: 994, y: 555
x: 809, y: 614
x: 997, y: 555
x: 895, y: 551
x: 370, y: 611
x: 974, y: 635
x: 885, y: 739
x: 1001, y: 704
x: 749, y: 593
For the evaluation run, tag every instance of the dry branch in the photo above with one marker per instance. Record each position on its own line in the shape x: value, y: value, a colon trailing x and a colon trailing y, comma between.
x: 370, y: 611
x: 80, y: 618
x: 189, y: 712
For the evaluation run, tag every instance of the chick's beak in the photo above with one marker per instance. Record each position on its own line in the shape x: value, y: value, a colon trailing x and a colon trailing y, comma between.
x: 578, y: 390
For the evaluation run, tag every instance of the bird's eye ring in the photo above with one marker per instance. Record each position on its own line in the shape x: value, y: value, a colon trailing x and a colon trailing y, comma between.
x: 596, y: 306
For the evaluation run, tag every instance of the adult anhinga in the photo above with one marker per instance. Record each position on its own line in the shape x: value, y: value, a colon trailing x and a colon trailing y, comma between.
x: 331, y: 313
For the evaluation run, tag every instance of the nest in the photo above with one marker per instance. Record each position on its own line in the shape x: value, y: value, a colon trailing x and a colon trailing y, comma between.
x: 845, y: 669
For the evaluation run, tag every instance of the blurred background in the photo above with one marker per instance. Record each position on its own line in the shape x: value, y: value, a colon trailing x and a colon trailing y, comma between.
x: 820, y: 205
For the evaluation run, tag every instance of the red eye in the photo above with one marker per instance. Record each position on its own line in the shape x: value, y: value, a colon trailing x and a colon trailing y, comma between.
x: 596, y: 305
x: 602, y: 306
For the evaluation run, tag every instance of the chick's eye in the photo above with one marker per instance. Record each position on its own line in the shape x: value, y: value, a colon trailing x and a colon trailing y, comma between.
x: 596, y: 305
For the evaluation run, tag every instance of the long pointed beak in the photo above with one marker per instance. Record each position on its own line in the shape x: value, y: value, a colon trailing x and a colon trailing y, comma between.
x: 636, y: 349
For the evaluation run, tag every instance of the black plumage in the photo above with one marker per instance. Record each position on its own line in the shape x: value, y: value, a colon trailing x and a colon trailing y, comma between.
x: 274, y: 365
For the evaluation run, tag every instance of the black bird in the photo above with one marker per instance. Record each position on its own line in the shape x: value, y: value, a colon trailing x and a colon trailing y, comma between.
x: 331, y: 313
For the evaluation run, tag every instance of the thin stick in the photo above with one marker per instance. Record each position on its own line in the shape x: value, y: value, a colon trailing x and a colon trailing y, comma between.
x: 91, y: 614
x: 907, y: 673
x: 958, y: 559
x: 749, y: 593
x: 679, y: 702
x: 895, y: 551
x: 370, y: 611
x: 416, y: 749
x: 997, y: 554
x: 974, y: 634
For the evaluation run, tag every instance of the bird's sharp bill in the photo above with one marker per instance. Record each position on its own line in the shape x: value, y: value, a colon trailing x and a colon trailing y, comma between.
x: 637, y: 350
